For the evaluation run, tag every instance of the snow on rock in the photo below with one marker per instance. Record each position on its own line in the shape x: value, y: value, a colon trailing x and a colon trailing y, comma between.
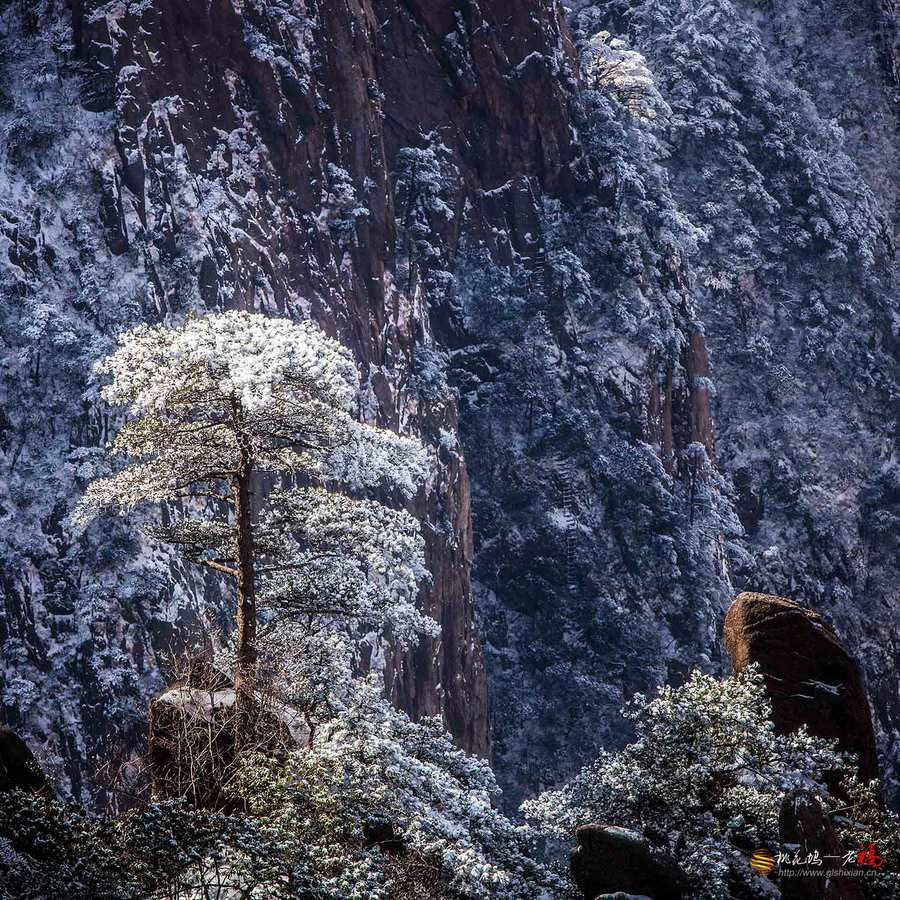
x: 644, y: 282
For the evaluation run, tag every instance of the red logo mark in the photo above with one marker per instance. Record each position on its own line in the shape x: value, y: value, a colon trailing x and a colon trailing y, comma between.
x: 868, y: 856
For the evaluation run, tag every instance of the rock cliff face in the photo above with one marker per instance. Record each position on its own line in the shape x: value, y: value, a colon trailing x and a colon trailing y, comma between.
x: 810, y: 677
x: 274, y: 156
x: 656, y: 356
x: 19, y: 770
x: 802, y: 823
x: 613, y: 861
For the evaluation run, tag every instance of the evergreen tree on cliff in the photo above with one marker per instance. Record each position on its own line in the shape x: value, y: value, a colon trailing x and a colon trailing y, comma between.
x: 227, y: 403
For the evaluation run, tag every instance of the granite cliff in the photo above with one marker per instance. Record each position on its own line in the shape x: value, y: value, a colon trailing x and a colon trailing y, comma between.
x: 633, y: 281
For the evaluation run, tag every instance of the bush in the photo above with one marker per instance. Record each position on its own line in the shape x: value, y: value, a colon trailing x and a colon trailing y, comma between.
x: 704, y: 778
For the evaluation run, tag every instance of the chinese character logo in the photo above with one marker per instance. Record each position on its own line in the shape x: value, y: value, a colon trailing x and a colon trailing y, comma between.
x: 814, y: 858
x: 762, y: 861
x: 868, y: 856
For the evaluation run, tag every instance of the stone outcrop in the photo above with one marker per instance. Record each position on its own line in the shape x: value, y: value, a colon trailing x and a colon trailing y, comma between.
x: 193, y: 736
x: 19, y: 770
x: 191, y: 745
x: 804, y: 828
x: 698, y: 370
x: 688, y: 403
x: 811, y: 679
x: 613, y: 860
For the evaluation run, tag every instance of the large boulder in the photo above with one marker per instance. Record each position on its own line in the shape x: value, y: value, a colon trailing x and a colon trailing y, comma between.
x: 200, y: 728
x: 804, y: 828
x: 191, y: 742
x: 612, y: 860
x: 811, y: 679
x: 19, y: 770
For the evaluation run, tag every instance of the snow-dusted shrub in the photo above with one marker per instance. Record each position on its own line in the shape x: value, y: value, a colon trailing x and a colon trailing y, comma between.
x: 376, y: 808
x: 863, y: 818
x: 375, y: 791
x: 706, y: 774
x: 161, y: 851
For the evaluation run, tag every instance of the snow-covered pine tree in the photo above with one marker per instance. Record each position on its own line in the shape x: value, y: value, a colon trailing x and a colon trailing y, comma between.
x: 225, y: 399
x: 425, y: 179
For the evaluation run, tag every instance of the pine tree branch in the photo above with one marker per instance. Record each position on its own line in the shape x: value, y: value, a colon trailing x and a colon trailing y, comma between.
x: 210, y: 495
x: 215, y: 566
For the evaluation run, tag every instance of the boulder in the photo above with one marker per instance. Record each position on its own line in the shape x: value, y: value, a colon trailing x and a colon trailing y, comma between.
x: 191, y: 743
x: 805, y: 828
x: 197, y: 734
x: 811, y: 679
x: 611, y: 860
x: 19, y: 770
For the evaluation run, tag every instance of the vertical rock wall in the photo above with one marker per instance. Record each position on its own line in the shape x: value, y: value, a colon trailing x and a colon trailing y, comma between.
x: 178, y: 156
x: 442, y: 187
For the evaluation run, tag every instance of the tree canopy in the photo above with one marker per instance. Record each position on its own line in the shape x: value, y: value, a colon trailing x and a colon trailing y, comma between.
x: 219, y: 408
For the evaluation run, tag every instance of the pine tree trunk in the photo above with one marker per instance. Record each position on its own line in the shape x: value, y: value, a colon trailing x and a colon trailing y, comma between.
x: 245, y: 640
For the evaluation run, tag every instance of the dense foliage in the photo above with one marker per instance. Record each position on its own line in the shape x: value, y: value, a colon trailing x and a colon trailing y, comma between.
x: 376, y: 807
x: 705, y: 779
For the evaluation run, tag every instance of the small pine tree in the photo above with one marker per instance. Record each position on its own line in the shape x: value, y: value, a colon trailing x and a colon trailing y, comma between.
x: 424, y: 181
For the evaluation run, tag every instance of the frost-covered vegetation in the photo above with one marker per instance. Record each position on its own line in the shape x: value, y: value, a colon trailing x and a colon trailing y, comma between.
x: 226, y: 400
x: 377, y: 807
x: 705, y: 779
x: 354, y: 800
x: 670, y: 332
x: 734, y: 208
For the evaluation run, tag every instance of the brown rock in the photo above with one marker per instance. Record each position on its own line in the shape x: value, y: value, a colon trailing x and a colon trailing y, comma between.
x: 193, y: 744
x: 804, y: 827
x: 609, y: 860
x: 811, y: 679
x: 19, y: 770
